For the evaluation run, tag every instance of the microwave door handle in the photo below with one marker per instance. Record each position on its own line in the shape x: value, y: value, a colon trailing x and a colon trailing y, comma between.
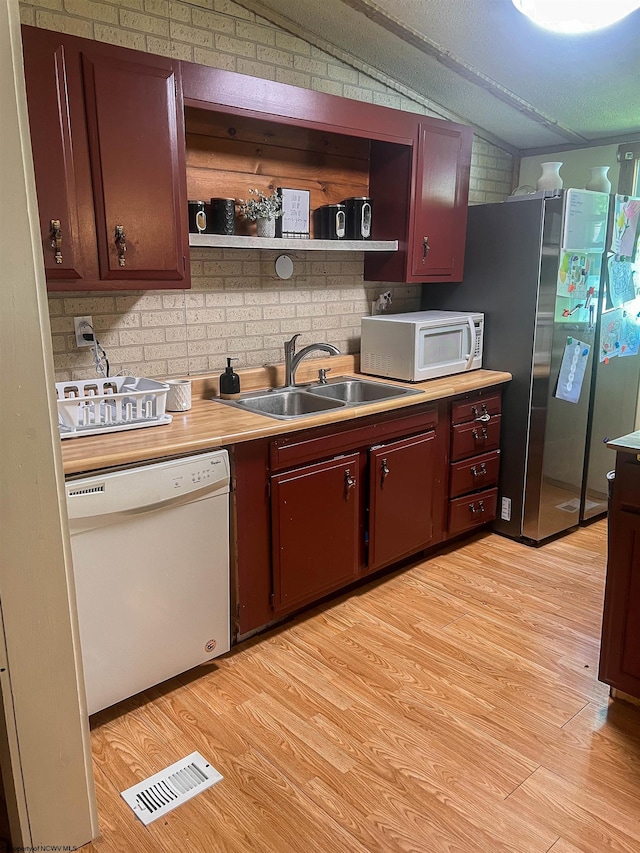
x: 472, y: 343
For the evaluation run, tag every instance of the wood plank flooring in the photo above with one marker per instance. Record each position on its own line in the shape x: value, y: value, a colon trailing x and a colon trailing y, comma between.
x: 452, y: 707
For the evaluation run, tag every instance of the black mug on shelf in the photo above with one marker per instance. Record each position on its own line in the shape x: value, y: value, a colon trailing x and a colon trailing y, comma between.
x: 222, y: 216
x: 358, y: 218
x: 197, y: 217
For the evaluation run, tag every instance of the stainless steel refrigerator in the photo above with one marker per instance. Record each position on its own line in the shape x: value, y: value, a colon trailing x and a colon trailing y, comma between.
x: 534, y: 266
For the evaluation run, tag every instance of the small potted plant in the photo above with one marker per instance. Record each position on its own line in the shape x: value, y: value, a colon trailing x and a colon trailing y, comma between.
x: 263, y: 210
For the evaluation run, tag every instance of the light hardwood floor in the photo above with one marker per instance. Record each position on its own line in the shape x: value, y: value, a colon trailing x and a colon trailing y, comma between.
x: 453, y: 706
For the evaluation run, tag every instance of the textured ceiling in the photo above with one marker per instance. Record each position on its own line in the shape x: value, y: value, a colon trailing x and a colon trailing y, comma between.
x: 484, y: 62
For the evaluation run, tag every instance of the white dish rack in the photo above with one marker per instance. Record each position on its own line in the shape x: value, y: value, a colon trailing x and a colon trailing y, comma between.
x: 89, y: 407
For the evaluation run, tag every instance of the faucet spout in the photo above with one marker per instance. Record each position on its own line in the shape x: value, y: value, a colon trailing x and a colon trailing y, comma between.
x: 292, y: 358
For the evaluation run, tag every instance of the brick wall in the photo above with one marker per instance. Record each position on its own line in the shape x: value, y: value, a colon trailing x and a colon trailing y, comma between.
x: 237, y: 306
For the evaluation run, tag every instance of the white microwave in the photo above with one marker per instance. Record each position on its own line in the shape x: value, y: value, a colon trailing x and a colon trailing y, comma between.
x: 421, y: 345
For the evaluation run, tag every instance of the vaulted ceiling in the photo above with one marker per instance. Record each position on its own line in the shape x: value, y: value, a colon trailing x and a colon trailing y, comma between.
x: 485, y: 63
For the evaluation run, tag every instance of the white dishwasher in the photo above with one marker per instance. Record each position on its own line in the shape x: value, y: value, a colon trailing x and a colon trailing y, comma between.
x: 150, y: 552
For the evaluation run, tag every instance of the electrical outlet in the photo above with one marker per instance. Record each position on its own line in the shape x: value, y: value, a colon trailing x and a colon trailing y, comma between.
x: 82, y: 326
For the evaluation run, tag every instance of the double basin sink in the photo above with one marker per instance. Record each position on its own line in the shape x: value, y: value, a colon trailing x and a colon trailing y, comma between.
x: 286, y: 403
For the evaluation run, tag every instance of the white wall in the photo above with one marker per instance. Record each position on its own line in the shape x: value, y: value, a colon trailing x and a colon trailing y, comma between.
x: 46, y: 760
x: 576, y: 166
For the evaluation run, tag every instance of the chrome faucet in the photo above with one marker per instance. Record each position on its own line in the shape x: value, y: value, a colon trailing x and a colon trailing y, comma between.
x: 292, y: 358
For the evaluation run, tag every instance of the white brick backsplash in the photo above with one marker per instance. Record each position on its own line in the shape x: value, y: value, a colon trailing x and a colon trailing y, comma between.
x: 316, y: 309
x: 244, y: 344
x: 206, y: 347
x: 176, y: 333
x: 262, y: 327
x: 163, y: 318
x: 236, y: 304
x: 212, y: 21
x: 282, y: 312
x: 140, y: 336
x: 290, y: 327
x: 225, y: 330
x: 169, y: 350
x: 267, y: 297
x: 244, y: 313
x: 217, y: 299
x: 205, y: 315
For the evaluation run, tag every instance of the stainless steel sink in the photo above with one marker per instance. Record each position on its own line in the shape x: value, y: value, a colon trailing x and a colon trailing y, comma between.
x: 354, y: 391
x: 286, y: 403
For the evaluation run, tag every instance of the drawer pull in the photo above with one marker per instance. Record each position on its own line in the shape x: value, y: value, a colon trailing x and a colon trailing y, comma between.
x: 479, y: 472
x: 349, y: 483
x: 482, y: 435
x: 482, y: 415
x: 475, y: 510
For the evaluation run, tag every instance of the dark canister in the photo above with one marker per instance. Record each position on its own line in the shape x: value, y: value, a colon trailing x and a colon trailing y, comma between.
x: 358, y: 218
x: 222, y: 217
x: 197, y: 217
x: 329, y: 222
x: 334, y: 221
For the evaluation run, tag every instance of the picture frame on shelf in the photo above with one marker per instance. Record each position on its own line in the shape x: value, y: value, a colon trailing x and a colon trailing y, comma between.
x: 294, y: 221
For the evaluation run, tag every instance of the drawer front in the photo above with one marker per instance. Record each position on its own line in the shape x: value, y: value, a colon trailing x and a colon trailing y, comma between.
x: 307, y: 446
x: 478, y: 472
x: 626, y: 486
x: 469, y: 410
x: 472, y: 510
x: 473, y: 438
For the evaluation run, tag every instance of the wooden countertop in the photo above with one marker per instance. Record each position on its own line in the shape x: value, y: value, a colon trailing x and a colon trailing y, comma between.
x: 210, y: 424
x: 627, y: 443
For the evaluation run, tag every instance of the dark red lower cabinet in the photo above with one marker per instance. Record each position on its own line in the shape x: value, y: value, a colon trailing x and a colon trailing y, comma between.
x: 317, y: 520
x: 401, y: 491
x: 620, y: 648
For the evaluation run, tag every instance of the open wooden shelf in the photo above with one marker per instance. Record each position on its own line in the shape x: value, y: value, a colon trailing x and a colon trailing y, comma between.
x: 223, y: 241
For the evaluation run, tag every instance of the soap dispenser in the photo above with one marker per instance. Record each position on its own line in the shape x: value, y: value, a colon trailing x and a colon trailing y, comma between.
x: 229, y: 382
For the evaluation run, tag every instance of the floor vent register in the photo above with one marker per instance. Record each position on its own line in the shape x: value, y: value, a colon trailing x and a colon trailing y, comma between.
x: 161, y: 793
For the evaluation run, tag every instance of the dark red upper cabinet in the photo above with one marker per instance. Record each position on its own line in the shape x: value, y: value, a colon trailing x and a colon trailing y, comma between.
x: 422, y: 196
x: 107, y: 132
x: 418, y: 166
x: 60, y: 157
x: 436, y: 248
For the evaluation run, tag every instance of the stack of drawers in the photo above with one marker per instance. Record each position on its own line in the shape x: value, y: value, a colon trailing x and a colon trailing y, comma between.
x: 475, y: 461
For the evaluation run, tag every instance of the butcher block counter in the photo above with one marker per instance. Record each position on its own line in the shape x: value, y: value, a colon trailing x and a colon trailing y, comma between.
x: 210, y: 424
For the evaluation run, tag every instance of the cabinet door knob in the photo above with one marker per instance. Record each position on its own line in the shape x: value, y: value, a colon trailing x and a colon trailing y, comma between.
x: 120, y: 239
x: 349, y: 483
x: 425, y: 248
x: 56, y: 239
x: 384, y: 472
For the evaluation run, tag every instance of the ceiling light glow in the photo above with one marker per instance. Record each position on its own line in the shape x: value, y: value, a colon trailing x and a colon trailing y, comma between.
x: 576, y: 16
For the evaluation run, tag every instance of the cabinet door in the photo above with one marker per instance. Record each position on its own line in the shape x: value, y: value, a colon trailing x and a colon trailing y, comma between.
x: 60, y: 156
x: 317, y: 530
x: 401, y: 489
x: 620, y: 651
x: 136, y: 143
x: 441, y: 193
